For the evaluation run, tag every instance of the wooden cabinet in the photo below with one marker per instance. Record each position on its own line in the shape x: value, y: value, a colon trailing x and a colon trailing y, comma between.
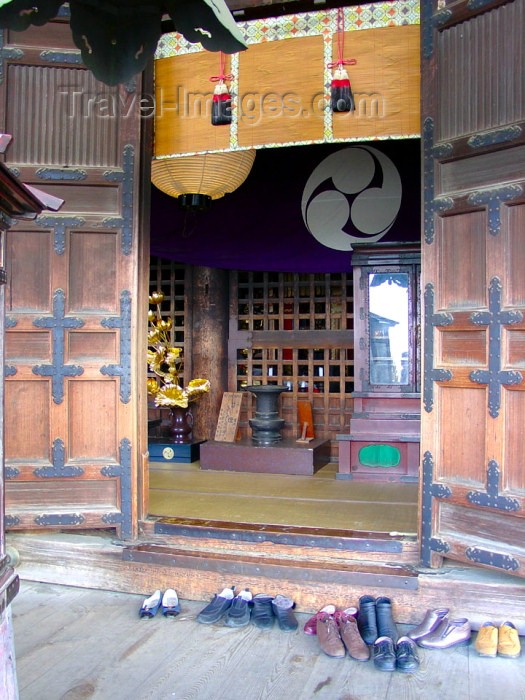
x: 383, y: 439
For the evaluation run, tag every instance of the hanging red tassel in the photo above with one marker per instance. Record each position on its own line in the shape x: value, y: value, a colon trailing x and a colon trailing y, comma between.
x: 221, y: 106
x: 341, y: 97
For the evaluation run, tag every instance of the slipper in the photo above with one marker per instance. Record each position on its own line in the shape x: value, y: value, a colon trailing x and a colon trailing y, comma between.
x: 170, y: 603
x: 151, y: 605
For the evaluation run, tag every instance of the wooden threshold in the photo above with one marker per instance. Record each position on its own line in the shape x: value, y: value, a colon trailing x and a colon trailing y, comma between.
x: 276, y: 570
x: 352, y: 540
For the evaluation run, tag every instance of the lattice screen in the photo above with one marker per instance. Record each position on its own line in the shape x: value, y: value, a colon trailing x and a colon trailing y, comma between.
x: 171, y: 278
x: 295, y: 330
x: 289, y: 329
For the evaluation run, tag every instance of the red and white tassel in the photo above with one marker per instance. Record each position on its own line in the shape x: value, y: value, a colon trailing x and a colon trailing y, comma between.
x: 221, y: 106
x: 341, y: 97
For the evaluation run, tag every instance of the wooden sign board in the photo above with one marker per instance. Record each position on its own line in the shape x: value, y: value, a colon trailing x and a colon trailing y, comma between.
x: 226, y: 430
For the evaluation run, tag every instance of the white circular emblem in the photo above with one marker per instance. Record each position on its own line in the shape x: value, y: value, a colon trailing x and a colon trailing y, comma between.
x: 374, y: 181
x: 168, y: 453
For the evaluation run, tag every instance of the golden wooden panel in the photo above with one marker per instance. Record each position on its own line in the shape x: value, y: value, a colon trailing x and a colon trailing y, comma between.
x: 90, y: 345
x: 28, y: 287
x: 462, y: 242
x: 281, y: 90
x: 26, y: 423
x: 514, y: 291
x: 27, y: 346
x: 462, y: 455
x: 183, y: 94
x: 92, y: 265
x: 463, y: 347
x: 385, y: 83
x: 513, y: 473
x: 93, y: 405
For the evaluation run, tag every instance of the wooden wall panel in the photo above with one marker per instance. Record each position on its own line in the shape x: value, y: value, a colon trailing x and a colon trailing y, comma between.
x: 74, y: 278
x: 514, y: 217
x: 93, y: 405
x: 29, y: 288
x: 92, y: 258
x: 468, y: 77
x: 462, y: 250
x: 26, y: 430
x: 514, y: 475
x: 462, y: 452
x: 28, y: 346
x: 463, y: 347
x: 473, y: 487
x: 68, y: 124
x: 90, y: 345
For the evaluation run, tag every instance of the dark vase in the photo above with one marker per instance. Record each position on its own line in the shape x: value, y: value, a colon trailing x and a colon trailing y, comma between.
x: 266, y: 425
x: 181, y: 425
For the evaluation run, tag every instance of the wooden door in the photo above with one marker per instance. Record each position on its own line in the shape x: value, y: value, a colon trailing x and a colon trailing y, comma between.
x: 75, y: 297
x: 473, y: 450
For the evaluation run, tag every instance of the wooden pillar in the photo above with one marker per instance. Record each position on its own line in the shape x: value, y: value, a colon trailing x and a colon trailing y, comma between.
x: 209, y: 345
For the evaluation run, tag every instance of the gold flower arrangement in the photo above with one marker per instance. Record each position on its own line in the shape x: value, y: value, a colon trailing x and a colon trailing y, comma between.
x: 167, y: 363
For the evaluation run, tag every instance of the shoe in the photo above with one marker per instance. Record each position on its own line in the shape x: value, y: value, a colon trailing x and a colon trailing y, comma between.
x: 487, y: 640
x: 448, y: 633
x: 170, y: 603
x: 366, y: 619
x: 238, y: 614
x: 407, y: 660
x: 283, y: 611
x: 429, y: 623
x: 151, y: 605
x: 310, y: 626
x: 262, y: 611
x: 349, y: 633
x: 385, y: 624
x: 508, y: 641
x: 329, y: 638
x: 383, y: 654
x: 216, y: 607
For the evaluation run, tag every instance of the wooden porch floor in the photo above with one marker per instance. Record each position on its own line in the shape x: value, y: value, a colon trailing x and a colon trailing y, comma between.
x: 74, y: 644
x: 320, y: 500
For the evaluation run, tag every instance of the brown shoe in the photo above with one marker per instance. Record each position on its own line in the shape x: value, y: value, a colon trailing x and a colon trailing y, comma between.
x: 352, y: 640
x: 329, y: 637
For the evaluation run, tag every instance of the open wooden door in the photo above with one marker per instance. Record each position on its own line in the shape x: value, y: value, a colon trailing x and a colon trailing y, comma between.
x: 75, y: 307
x: 473, y: 417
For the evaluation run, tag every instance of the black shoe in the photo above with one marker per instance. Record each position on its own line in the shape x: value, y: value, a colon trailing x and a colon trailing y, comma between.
x: 262, y: 611
x: 217, y: 607
x: 366, y: 619
x: 407, y: 660
x: 238, y: 614
x: 384, y: 655
x: 385, y: 624
x: 283, y: 611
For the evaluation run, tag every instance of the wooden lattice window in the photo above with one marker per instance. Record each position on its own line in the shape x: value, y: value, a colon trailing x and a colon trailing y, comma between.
x: 171, y: 278
x: 295, y: 330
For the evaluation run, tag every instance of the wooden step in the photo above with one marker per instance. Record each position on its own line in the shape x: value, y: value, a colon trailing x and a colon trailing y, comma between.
x: 275, y: 571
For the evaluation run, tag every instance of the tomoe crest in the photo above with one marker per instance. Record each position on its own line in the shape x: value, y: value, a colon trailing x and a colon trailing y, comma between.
x: 353, y: 195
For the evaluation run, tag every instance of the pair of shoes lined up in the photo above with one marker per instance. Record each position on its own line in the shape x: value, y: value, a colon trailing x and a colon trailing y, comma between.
x: 242, y: 608
x: 337, y: 633
x: 374, y: 619
x: 495, y: 641
x: 169, y: 603
x: 401, y: 656
x: 438, y: 631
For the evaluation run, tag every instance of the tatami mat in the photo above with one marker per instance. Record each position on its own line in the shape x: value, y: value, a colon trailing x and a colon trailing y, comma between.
x: 278, y: 499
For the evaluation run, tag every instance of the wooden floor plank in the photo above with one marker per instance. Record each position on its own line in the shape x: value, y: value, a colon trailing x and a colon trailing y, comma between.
x: 73, y: 644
